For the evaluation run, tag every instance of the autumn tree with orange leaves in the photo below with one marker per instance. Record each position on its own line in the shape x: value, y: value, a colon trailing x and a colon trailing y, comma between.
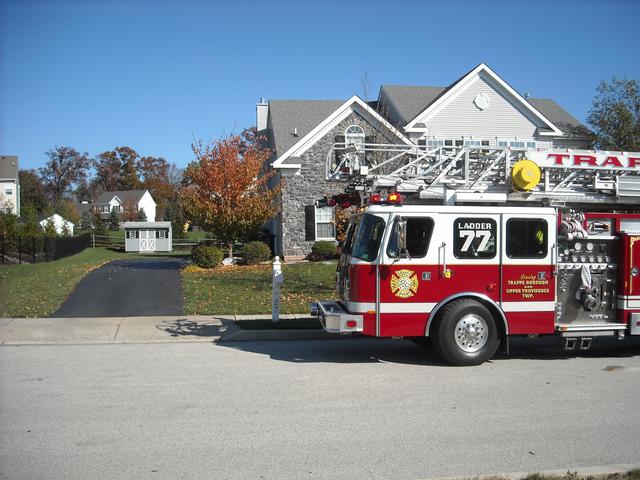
x: 227, y: 188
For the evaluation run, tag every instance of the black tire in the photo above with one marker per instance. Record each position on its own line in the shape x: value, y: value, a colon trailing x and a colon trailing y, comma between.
x: 466, y: 333
x: 424, y: 342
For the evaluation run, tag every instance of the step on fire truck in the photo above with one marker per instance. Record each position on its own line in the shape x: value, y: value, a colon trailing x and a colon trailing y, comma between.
x: 463, y: 248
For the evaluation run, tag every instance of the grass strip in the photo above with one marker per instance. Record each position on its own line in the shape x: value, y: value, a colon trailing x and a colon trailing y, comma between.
x: 246, y: 290
x: 630, y: 475
x: 39, y: 289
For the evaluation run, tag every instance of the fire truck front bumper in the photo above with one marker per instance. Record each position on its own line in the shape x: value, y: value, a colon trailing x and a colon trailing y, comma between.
x: 335, y: 319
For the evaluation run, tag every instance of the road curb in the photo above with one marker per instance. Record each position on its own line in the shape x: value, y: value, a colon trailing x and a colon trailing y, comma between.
x: 155, y: 329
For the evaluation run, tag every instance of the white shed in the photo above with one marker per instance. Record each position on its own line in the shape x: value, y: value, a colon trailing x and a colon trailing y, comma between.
x: 147, y: 236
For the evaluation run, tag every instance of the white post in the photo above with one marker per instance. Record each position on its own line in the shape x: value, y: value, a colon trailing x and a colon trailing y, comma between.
x: 276, y: 280
x: 93, y: 239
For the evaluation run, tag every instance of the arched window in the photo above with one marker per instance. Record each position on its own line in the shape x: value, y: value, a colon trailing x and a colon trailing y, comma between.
x: 354, y: 135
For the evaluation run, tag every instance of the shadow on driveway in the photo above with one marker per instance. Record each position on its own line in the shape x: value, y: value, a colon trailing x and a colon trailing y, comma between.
x: 126, y: 288
x: 183, y: 327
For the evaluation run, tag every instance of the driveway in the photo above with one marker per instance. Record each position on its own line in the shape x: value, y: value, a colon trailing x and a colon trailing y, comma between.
x: 123, y: 288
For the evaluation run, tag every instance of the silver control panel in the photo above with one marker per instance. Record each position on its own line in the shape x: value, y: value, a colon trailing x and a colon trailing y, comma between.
x: 586, y: 280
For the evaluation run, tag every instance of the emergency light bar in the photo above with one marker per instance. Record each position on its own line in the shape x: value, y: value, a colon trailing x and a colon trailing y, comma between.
x: 342, y: 200
x: 392, y: 198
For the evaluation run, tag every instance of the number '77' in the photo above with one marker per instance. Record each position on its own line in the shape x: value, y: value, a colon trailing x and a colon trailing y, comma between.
x: 470, y: 235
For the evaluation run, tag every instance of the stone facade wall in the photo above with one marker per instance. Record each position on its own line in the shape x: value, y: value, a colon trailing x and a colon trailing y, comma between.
x: 304, y: 189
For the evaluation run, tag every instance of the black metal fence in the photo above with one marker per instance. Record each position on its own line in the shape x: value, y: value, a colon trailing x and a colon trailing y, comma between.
x: 18, y: 250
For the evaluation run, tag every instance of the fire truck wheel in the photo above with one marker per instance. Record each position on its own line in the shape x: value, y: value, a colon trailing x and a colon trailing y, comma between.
x: 466, y: 333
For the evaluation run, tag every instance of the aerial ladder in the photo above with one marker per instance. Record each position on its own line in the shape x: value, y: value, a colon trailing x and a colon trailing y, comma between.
x: 483, y: 174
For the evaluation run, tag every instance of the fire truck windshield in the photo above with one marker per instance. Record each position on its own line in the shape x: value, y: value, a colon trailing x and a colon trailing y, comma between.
x: 367, y: 238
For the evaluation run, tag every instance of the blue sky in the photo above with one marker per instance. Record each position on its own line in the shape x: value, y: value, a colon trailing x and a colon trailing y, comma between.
x: 155, y: 75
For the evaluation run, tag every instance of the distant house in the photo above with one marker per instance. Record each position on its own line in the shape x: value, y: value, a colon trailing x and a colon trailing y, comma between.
x: 59, y: 223
x: 9, y: 185
x: 119, y: 202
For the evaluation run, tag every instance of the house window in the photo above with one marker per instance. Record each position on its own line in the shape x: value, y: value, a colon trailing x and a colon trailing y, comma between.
x: 325, y: 229
x: 354, y: 135
x: 516, y: 143
x: 104, y: 208
x: 161, y: 233
x: 472, y: 143
x: 133, y: 234
x: 431, y: 142
x: 8, y: 191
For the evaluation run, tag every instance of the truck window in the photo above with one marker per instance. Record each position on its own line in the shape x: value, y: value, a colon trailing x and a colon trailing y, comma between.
x: 418, y: 237
x: 367, y: 238
x: 474, y: 238
x: 348, y: 241
x: 527, y: 238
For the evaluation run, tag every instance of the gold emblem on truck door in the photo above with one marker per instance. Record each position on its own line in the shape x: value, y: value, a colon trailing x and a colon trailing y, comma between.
x: 404, y: 283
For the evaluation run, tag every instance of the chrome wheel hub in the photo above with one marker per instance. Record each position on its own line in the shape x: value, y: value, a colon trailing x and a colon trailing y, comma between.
x: 471, y: 333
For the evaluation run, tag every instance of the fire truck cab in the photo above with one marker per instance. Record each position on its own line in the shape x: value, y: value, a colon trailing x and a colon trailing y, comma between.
x: 467, y: 277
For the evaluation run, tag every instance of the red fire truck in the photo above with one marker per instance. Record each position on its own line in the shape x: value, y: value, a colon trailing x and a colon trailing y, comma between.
x: 464, y: 248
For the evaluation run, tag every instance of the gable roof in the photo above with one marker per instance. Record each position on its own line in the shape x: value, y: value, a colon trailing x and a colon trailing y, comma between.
x: 304, y: 115
x: 8, y: 167
x: 570, y: 126
x: 312, y: 136
x: 550, y: 129
x: 409, y: 101
x: 123, y: 196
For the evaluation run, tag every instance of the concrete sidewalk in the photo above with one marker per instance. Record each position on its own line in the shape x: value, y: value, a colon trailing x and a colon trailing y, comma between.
x: 220, y: 328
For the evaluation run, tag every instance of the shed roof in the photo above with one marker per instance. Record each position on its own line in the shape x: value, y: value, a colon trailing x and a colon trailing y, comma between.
x: 147, y: 225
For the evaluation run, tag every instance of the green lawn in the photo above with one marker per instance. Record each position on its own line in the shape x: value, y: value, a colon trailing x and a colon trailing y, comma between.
x: 38, y: 290
x: 247, y: 289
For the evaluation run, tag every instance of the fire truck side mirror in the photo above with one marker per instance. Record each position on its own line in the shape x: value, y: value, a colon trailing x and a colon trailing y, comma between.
x: 401, y: 240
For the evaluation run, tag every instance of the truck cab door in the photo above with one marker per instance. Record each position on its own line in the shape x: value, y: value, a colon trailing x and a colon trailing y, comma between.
x: 528, y: 290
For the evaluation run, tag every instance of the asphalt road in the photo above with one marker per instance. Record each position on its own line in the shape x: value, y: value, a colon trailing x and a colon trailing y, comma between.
x: 353, y: 409
x: 125, y: 288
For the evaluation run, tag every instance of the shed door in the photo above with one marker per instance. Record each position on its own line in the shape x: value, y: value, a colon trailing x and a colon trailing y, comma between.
x: 147, y: 240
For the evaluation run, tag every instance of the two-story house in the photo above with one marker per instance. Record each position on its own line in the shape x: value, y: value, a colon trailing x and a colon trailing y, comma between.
x: 121, y: 201
x: 9, y: 185
x: 478, y: 109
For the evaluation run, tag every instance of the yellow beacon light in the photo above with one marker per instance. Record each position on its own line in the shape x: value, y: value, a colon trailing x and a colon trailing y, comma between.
x: 525, y: 175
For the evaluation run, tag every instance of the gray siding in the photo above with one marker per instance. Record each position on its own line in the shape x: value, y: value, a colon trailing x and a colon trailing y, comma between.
x: 460, y: 117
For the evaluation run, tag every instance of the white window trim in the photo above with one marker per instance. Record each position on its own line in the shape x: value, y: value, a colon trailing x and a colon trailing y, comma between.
x: 358, y: 136
x: 331, y: 222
